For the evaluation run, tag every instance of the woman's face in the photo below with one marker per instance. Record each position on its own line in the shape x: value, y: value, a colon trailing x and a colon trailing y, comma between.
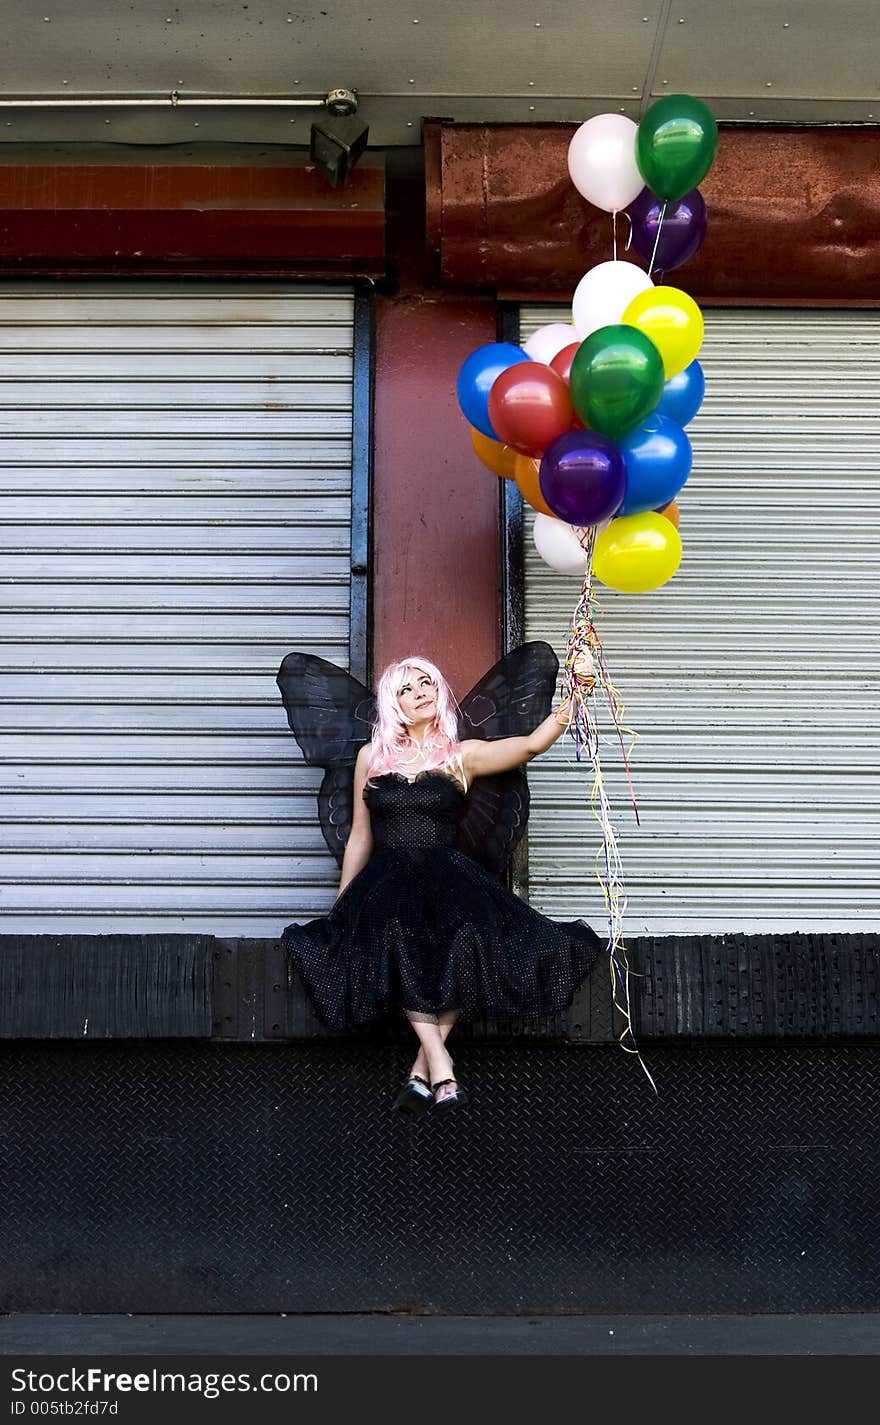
x: 417, y: 695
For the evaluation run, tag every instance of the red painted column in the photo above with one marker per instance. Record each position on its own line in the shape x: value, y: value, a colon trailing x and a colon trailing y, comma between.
x: 436, y: 575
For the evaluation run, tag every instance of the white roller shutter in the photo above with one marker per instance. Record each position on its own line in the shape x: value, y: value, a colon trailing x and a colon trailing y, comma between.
x: 176, y: 476
x: 752, y: 677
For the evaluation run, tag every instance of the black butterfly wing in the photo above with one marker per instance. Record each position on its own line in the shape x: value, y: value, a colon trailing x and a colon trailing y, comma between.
x: 495, y: 814
x: 331, y: 715
x: 336, y: 808
x: 509, y: 701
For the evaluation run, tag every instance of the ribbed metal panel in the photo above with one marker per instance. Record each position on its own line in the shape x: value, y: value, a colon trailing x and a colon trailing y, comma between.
x: 752, y: 676
x: 176, y: 475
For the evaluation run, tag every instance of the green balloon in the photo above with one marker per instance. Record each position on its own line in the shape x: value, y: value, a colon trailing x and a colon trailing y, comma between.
x: 675, y: 145
x: 616, y: 379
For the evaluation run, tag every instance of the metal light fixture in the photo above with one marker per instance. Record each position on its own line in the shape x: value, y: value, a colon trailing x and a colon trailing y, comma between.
x: 338, y: 141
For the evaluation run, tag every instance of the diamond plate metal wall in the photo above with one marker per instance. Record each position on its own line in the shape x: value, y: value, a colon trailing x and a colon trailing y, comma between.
x: 190, y: 1176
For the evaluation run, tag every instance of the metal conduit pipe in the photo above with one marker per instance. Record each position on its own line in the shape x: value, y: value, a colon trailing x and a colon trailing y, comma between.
x: 338, y: 101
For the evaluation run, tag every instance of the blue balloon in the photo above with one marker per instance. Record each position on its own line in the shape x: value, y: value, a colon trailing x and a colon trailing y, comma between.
x: 683, y: 395
x: 477, y: 376
x: 658, y: 458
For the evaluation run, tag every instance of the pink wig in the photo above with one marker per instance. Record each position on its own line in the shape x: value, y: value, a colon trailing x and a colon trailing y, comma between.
x: 391, y: 748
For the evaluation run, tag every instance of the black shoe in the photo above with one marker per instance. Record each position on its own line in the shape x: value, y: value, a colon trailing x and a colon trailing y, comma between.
x: 452, y: 1099
x: 413, y: 1098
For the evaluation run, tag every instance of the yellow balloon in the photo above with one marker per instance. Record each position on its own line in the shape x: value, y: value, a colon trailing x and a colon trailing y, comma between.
x: 637, y: 553
x: 672, y: 320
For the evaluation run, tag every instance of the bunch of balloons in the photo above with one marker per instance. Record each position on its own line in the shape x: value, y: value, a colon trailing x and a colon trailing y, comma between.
x: 588, y: 418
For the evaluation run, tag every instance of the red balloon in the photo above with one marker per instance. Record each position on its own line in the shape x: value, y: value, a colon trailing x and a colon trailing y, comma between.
x: 529, y: 407
x: 561, y: 362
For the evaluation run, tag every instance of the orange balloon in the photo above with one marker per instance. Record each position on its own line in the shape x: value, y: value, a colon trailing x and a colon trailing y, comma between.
x: 498, y: 458
x: 670, y: 512
x: 525, y: 473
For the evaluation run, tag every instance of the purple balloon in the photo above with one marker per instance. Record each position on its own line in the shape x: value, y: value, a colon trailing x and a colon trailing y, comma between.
x: 684, y: 228
x: 582, y: 477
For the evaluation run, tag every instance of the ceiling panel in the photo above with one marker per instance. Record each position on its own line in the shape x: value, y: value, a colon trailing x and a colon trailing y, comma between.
x: 509, y: 61
x: 771, y: 49
x: 374, y: 46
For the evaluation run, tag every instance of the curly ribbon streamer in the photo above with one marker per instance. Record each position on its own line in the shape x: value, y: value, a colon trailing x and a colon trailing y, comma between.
x: 614, y: 232
x: 657, y: 237
x: 584, y: 728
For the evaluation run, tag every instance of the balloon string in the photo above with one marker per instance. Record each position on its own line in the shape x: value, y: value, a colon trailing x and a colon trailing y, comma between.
x: 617, y: 708
x: 584, y: 615
x: 584, y: 728
x: 614, y: 234
x: 657, y: 238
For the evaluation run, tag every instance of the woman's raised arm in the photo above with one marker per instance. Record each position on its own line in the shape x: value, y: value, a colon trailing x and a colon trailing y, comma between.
x: 482, y: 759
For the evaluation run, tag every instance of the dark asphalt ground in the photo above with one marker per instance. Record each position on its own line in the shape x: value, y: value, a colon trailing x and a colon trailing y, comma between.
x: 381, y: 1335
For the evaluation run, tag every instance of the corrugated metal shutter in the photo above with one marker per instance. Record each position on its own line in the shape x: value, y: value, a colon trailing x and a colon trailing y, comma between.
x: 752, y: 677
x: 176, y: 470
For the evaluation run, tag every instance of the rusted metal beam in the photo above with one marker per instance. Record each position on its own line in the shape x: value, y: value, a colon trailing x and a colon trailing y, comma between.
x: 794, y: 215
x: 151, y: 220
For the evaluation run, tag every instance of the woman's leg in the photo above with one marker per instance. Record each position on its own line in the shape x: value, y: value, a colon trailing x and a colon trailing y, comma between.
x: 445, y: 1023
x: 433, y: 1061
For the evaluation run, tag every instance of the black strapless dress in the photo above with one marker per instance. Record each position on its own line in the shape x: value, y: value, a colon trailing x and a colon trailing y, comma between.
x: 423, y: 928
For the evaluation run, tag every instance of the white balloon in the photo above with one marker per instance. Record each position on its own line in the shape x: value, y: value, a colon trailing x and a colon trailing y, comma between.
x: 548, y: 341
x: 604, y: 293
x: 558, y: 545
x: 602, y: 161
